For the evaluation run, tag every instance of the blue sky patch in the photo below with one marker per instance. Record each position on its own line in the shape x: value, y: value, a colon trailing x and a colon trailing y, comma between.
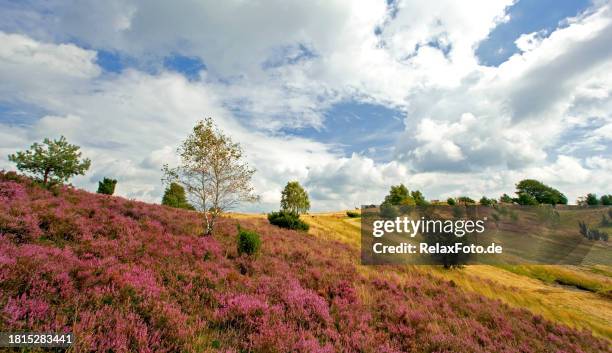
x: 190, y: 67
x: 18, y: 113
x: 109, y: 61
x: 526, y: 16
x: 363, y: 128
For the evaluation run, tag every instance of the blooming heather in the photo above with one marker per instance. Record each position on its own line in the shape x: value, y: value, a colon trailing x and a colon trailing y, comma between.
x: 126, y: 276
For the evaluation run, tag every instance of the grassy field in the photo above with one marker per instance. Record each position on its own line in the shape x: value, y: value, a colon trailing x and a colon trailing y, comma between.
x: 577, y: 296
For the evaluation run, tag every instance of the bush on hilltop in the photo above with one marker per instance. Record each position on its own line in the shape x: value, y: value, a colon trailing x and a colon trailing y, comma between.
x: 107, y: 186
x: 353, y: 214
x: 289, y: 220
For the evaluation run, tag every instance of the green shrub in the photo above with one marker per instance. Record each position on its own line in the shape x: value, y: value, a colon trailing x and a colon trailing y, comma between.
x: 289, y: 220
x: 107, y: 186
x: 526, y: 200
x: 484, y: 201
x: 353, y: 214
x: 248, y: 242
x: 465, y: 200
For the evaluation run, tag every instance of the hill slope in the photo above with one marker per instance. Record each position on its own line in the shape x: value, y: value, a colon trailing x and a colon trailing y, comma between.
x: 578, y: 296
x: 129, y: 276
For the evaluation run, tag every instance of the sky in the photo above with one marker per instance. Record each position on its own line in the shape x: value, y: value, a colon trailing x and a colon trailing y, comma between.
x: 347, y: 97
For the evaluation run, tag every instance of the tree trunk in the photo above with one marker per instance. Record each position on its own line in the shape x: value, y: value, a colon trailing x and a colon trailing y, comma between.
x: 46, y: 177
x: 208, y: 223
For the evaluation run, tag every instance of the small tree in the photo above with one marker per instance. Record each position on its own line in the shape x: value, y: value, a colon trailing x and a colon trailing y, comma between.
x: 541, y: 192
x: 213, y: 172
x: 506, y: 198
x: 107, y: 186
x: 399, y: 195
x: 451, y: 201
x: 591, y: 200
x: 52, y: 161
x: 418, y: 197
x: 465, y: 200
x: 484, y: 201
x: 294, y: 198
x: 174, y: 196
x: 606, y: 200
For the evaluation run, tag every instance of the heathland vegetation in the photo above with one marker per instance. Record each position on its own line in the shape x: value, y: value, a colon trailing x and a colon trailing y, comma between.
x: 129, y: 276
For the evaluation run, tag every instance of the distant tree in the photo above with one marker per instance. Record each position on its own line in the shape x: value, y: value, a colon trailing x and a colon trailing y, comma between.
x: 526, y: 199
x: 52, y: 161
x: 213, y: 172
x: 606, y: 200
x: 451, y: 202
x: 464, y: 200
x: 541, y: 192
x: 294, y: 198
x: 418, y: 198
x: 505, y: 198
x: 484, y: 201
x: 175, y: 196
x: 591, y: 199
x: 107, y: 186
x: 398, y: 194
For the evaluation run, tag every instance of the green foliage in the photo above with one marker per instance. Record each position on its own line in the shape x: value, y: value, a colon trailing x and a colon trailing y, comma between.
x: 451, y: 201
x: 398, y: 194
x: 484, y: 201
x: 541, y: 192
x: 289, y: 220
x: 353, y: 214
x: 294, y: 198
x: 506, y: 198
x: 248, y: 242
x: 591, y: 200
x: 526, y: 199
x: 107, y: 186
x: 174, y: 196
x: 52, y: 162
x: 418, y: 198
x: 606, y: 200
x: 464, y: 200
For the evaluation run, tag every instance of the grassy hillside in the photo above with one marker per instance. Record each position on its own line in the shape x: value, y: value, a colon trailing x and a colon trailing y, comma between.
x: 127, y: 276
x: 576, y: 296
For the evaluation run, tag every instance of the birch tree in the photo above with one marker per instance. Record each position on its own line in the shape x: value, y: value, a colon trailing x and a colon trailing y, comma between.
x: 213, y: 172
